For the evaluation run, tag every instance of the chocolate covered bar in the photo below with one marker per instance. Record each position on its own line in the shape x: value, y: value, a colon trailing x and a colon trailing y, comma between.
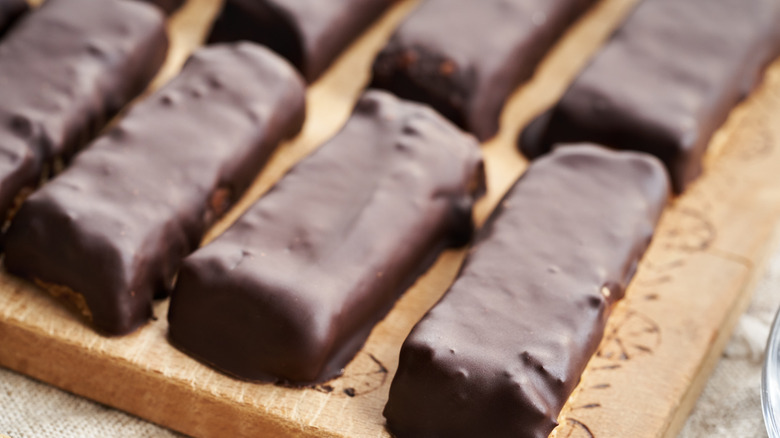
x: 65, y: 70
x: 465, y: 57
x: 10, y: 11
x: 502, y: 351
x: 168, y: 6
x: 310, y: 34
x: 110, y: 231
x: 291, y: 292
x: 666, y: 81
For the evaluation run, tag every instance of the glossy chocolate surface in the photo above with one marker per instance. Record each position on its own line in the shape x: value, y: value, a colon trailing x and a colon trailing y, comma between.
x: 502, y: 351
x: 65, y: 70
x: 115, y: 226
x: 291, y: 292
x: 465, y: 57
x: 666, y: 81
x: 10, y: 11
x: 309, y: 33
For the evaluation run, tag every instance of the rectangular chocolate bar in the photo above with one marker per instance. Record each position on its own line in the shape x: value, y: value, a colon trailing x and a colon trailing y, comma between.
x: 502, y: 351
x: 65, y: 71
x: 291, y: 292
x: 465, y: 57
x: 666, y: 81
x: 10, y: 11
x: 110, y: 232
x: 310, y: 34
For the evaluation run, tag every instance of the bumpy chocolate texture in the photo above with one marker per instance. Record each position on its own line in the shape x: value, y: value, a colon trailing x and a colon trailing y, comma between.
x: 10, y: 11
x: 168, y: 6
x: 666, y: 81
x: 114, y: 227
x: 500, y: 354
x: 464, y: 57
x: 65, y: 70
x: 291, y: 292
x: 309, y: 33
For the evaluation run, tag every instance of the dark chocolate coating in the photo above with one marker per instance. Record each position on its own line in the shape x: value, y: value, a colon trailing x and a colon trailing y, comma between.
x: 116, y: 225
x: 666, y: 81
x: 291, y: 292
x: 465, y: 57
x: 10, y: 11
x: 309, y: 33
x: 502, y: 351
x: 65, y: 70
x: 168, y: 6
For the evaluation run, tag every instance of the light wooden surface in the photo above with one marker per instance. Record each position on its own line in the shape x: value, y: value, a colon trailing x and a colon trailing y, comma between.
x: 661, y: 343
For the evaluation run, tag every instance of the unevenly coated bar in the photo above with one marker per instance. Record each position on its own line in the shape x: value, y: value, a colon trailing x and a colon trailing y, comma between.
x: 291, y: 292
x: 666, y: 81
x: 465, y: 57
x: 10, y: 11
x: 309, y: 33
x: 65, y: 70
x: 502, y: 351
x: 111, y: 231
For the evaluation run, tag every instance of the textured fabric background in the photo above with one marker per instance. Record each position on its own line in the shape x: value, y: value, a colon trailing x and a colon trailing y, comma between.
x: 730, y: 406
x: 29, y: 409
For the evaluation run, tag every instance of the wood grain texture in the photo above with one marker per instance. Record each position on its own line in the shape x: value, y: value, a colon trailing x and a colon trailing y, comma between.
x: 661, y: 342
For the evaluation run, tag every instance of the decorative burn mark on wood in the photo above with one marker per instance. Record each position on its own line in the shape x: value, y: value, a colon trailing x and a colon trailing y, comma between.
x: 633, y: 335
x: 573, y: 428
x: 586, y: 406
x: 364, y: 375
x: 691, y: 232
x: 753, y: 140
x: 609, y: 367
x: 653, y: 275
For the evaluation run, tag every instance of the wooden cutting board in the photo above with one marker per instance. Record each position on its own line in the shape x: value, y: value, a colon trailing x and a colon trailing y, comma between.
x: 661, y: 342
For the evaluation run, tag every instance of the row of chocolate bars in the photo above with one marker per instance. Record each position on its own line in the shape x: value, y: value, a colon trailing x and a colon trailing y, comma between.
x: 292, y: 290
